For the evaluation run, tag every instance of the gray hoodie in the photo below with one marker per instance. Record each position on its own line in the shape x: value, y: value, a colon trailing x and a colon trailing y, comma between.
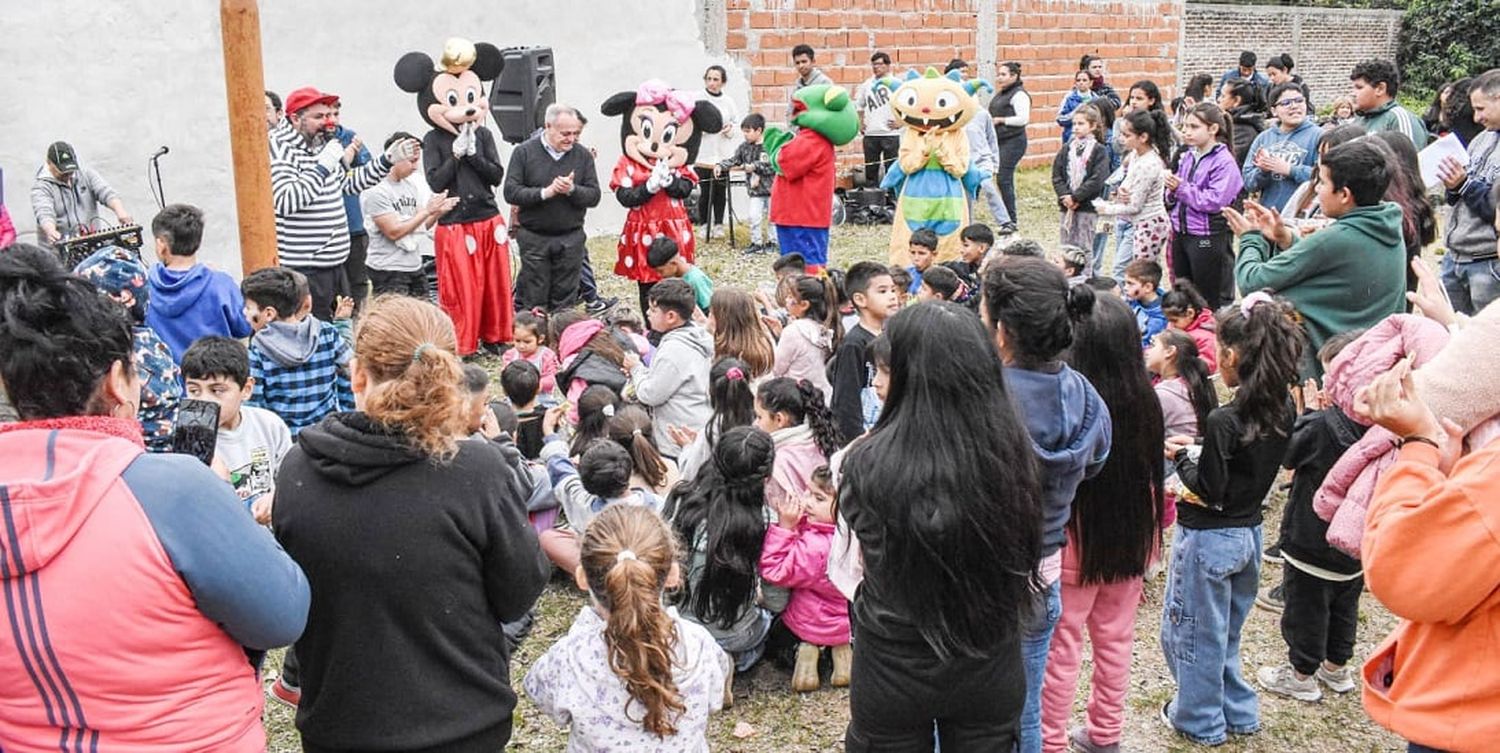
x: 1471, y: 226
x: 675, y: 386
x: 73, y: 206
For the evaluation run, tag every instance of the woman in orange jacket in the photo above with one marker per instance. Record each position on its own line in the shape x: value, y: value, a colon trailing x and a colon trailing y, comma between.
x: 1431, y: 554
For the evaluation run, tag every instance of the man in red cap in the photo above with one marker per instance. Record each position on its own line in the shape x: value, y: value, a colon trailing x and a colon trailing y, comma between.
x: 309, y: 177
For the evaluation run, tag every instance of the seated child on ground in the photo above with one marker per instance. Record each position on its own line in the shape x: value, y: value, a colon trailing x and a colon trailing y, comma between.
x: 940, y: 284
x: 675, y: 385
x: 630, y: 674
x: 923, y: 249
x: 669, y: 262
x: 531, y: 345
x: 520, y: 381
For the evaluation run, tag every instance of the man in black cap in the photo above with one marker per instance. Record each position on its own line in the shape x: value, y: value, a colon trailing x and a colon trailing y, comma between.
x: 66, y: 196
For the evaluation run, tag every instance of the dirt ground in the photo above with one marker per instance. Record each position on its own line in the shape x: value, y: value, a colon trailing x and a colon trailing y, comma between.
x: 769, y: 717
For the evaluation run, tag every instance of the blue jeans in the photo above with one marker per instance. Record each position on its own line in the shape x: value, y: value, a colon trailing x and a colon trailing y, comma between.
x: 1471, y: 285
x: 1036, y: 642
x: 1210, y: 590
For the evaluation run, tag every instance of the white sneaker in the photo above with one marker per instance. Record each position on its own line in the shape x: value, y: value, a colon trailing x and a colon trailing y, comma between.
x: 1283, y: 680
x: 1340, y: 680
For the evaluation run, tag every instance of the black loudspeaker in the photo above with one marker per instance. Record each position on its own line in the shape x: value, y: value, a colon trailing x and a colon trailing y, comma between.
x: 519, y: 98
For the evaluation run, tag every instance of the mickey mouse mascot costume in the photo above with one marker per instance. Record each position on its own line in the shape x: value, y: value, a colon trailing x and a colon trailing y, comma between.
x: 659, y: 138
x: 459, y: 156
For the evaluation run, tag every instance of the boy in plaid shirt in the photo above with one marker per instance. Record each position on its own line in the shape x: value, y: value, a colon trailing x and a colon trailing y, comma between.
x: 300, y: 363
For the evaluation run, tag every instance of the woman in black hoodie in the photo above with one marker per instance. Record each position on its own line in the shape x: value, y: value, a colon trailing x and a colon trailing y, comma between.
x: 416, y: 548
x: 1241, y: 101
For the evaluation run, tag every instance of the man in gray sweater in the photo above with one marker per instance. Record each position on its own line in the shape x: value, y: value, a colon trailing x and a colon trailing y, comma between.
x: 552, y: 183
x: 66, y: 196
x: 1471, y: 268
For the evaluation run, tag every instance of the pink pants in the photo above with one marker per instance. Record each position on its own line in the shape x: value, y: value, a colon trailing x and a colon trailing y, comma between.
x: 1109, y: 613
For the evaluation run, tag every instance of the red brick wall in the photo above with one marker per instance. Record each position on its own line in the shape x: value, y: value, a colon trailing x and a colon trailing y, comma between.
x: 1137, y: 38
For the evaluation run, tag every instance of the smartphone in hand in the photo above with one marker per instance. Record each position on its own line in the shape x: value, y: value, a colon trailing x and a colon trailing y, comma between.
x: 196, y: 431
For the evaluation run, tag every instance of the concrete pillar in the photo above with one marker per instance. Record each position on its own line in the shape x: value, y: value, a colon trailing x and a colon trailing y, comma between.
x: 984, y: 40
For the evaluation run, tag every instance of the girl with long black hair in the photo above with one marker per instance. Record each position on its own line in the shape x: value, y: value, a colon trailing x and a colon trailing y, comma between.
x: 721, y: 519
x: 1033, y: 311
x: 1113, y: 533
x: 949, y: 564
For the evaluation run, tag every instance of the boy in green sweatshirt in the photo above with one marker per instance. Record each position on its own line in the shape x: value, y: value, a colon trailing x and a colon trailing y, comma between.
x: 1349, y: 275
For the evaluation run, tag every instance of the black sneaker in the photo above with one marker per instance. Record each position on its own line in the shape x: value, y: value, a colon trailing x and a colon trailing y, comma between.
x: 1272, y: 554
x: 1008, y: 228
x: 600, y: 306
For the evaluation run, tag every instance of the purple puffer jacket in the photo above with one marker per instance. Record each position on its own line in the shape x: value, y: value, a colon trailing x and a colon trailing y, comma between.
x: 1208, y: 185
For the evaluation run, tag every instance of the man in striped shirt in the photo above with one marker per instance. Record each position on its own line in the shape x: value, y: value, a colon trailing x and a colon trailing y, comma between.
x: 309, y: 178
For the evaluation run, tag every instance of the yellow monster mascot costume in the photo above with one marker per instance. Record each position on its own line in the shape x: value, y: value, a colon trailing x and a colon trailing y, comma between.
x: 933, y: 177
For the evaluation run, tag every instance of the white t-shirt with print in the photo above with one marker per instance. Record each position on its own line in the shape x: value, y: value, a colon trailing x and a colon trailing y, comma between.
x: 403, y: 197
x: 253, y: 451
x: 875, y: 102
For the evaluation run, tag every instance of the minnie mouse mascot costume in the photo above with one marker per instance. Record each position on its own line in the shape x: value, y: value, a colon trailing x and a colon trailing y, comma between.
x: 659, y: 138
x: 459, y: 156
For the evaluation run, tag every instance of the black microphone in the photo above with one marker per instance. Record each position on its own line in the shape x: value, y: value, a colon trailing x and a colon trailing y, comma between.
x: 160, y: 152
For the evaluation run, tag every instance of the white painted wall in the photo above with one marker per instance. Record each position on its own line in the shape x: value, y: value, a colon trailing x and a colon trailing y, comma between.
x: 118, y: 78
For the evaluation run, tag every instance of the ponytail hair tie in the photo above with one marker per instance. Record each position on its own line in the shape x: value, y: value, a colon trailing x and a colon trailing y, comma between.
x: 635, y: 432
x: 416, y: 355
x: 734, y: 374
x: 608, y: 411
x: 1248, y: 304
x: 624, y: 554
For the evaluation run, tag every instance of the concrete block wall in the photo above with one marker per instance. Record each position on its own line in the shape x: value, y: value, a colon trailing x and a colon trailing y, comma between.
x: 1325, y: 43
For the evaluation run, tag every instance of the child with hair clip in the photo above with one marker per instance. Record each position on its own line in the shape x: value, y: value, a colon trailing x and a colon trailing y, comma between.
x: 733, y: 403
x: 723, y: 512
x: 1183, y: 387
x: 1078, y: 175
x: 799, y: 422
x: 531, y: 345
x: 811, y: 334
x: 795, y: 556
x: 630, y: 428
x: 1138, y: 200
x: 1207, y: 180
x: 603, y: 476
x: 1187, y: 312
x: 1113, y: 535
x: 631, y: 674
x: 1032, y: 313
x: 1215, y: 566
x: 596, y: 405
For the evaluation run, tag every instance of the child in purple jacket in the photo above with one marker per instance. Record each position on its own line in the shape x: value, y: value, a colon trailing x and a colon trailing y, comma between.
x: 1207, y: 180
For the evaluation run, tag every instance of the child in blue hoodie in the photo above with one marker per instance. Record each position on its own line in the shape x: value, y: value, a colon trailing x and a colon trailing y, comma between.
x: 189, y: 300
x: 1281, y: 159
x: 1032, y: 309
x: 1143, y: 292
x: 300, y: 363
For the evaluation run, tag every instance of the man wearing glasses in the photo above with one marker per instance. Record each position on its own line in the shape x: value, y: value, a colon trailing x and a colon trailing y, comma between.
x: 1282, y: 158
x: 552, y: 183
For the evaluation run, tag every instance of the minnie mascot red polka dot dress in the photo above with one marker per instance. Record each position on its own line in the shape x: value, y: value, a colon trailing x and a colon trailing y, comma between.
x: 659, y: 137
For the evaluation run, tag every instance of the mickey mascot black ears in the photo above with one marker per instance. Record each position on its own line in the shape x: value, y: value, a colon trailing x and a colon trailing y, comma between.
x: 451, y: 94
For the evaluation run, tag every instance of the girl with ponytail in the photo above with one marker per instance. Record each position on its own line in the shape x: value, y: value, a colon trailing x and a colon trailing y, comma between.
x: 394, y: 520
x: 1147, y: 137
x: 733, y: 403
x: 1215, y: 565
x: 630, y: 674
x: 812, y: 332
x: 799, y: 422
x: 1033, y: 312
x: 630, y: 428
x: 722, y: 517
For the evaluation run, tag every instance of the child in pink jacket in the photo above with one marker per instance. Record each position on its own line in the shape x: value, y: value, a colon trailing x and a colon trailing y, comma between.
x: 795, y: 556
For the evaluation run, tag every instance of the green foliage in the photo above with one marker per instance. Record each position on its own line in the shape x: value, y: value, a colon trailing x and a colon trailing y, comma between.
x: 1443, y: 40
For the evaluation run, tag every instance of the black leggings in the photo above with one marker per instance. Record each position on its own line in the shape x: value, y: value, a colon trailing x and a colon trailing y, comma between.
x: 898, y: 691
x: 1207, y: 262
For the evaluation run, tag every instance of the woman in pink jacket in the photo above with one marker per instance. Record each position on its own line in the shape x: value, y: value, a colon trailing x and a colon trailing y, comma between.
x: 136, y: 583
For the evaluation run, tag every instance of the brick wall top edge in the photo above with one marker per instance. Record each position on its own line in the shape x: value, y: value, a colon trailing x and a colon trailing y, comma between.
x: 1194, y: 8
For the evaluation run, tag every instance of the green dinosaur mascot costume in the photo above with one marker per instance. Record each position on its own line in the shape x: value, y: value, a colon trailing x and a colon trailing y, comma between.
x: 802, y: 196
